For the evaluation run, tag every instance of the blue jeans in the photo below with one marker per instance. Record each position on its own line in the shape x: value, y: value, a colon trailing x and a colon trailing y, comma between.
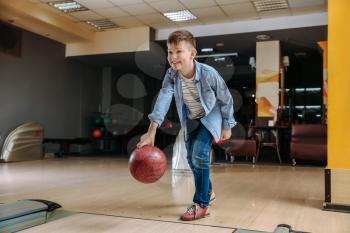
x: 198, y: 147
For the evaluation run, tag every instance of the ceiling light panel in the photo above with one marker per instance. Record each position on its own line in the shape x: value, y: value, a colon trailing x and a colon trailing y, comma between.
x: 180, y: 15
x: 102, y: 24
x: 269, y: 5
x: 67, y: 6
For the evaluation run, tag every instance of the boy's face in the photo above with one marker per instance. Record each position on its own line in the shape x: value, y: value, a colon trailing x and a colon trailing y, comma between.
x: 181, y: 55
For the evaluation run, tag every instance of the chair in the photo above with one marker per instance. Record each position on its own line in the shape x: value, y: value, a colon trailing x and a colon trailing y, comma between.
x: 268, y: 140
x: 241, y: 144
x: 267, y: 136
x: 308, y: 142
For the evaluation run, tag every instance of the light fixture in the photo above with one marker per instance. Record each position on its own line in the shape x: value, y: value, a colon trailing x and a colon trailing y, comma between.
x: 220, y: 44
x: 311, y: 89
x: 285, y: 61
x: 252, y: 62
x: 298, y: 90
x: 219, y: 59
x: 217, y: 55
x: 312, y: 106
x: 180, y: 15
x: 308, y: 107
x: 206, y: 50
x: 68, y: 6
x: 102, y: 24
x: 263, y: 37
x: 269, y: 5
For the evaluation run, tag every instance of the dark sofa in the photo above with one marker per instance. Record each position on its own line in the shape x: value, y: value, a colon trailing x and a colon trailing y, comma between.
x: 308, y: 142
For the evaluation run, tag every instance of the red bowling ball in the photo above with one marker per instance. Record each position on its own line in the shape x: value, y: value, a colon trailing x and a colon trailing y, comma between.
x: 97, y: 133
x: 147, y: 164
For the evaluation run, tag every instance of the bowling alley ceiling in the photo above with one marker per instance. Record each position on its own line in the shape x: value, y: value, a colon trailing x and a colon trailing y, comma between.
x: 97, y: 15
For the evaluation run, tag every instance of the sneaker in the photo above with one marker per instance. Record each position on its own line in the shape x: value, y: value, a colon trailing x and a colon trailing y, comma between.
x: 212, y: 197
x: 194, y: 212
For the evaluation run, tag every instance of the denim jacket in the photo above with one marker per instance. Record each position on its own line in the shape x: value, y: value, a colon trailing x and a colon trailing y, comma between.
x: 214, y: 96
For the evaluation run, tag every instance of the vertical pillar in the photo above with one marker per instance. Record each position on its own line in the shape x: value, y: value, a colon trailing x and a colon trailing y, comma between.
x: 337, y: 173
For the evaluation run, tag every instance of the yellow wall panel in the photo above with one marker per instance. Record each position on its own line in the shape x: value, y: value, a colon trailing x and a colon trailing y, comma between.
x: 339, y: 84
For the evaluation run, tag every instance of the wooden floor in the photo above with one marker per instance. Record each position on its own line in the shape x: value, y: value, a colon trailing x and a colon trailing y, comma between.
x: 255, y: 197
x: 88, y: 223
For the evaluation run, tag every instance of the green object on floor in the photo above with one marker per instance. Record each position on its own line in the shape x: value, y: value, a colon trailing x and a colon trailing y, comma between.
x: 24, y: 214
x: 21, y: 215
x: 248, y: 231
x: 281, y: 228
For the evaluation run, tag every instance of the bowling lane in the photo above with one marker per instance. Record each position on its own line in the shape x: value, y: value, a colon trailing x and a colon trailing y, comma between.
x: 248, y: 196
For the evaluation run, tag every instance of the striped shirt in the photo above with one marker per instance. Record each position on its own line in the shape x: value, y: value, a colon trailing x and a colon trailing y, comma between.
x: 191, y: 98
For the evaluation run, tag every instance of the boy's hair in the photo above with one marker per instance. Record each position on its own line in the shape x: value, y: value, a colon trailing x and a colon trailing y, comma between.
x: 181, y: 35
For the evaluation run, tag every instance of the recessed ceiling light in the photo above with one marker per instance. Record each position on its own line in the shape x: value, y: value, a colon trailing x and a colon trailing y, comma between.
x: 263, y: 37
x: 180, y: 15
x: 269, y: 5
x: 206, y: 50
x: 220, y: 44
x: 102, y: 24
x: 68, y: 6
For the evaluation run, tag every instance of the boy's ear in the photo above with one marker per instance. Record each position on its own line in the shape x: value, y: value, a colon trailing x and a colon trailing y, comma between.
x: 193, y: 52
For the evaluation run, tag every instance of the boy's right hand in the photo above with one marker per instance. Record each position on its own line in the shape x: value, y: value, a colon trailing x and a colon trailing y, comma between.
x: 146, y: 139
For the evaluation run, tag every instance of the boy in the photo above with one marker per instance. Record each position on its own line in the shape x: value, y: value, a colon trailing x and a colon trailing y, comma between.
x: 205, y: 110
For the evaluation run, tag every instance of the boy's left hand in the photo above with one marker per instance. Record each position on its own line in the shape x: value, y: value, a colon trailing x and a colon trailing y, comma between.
x: 225, y: 134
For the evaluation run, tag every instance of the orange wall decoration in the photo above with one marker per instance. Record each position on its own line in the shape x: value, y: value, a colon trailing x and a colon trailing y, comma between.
x: 267, y: 77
